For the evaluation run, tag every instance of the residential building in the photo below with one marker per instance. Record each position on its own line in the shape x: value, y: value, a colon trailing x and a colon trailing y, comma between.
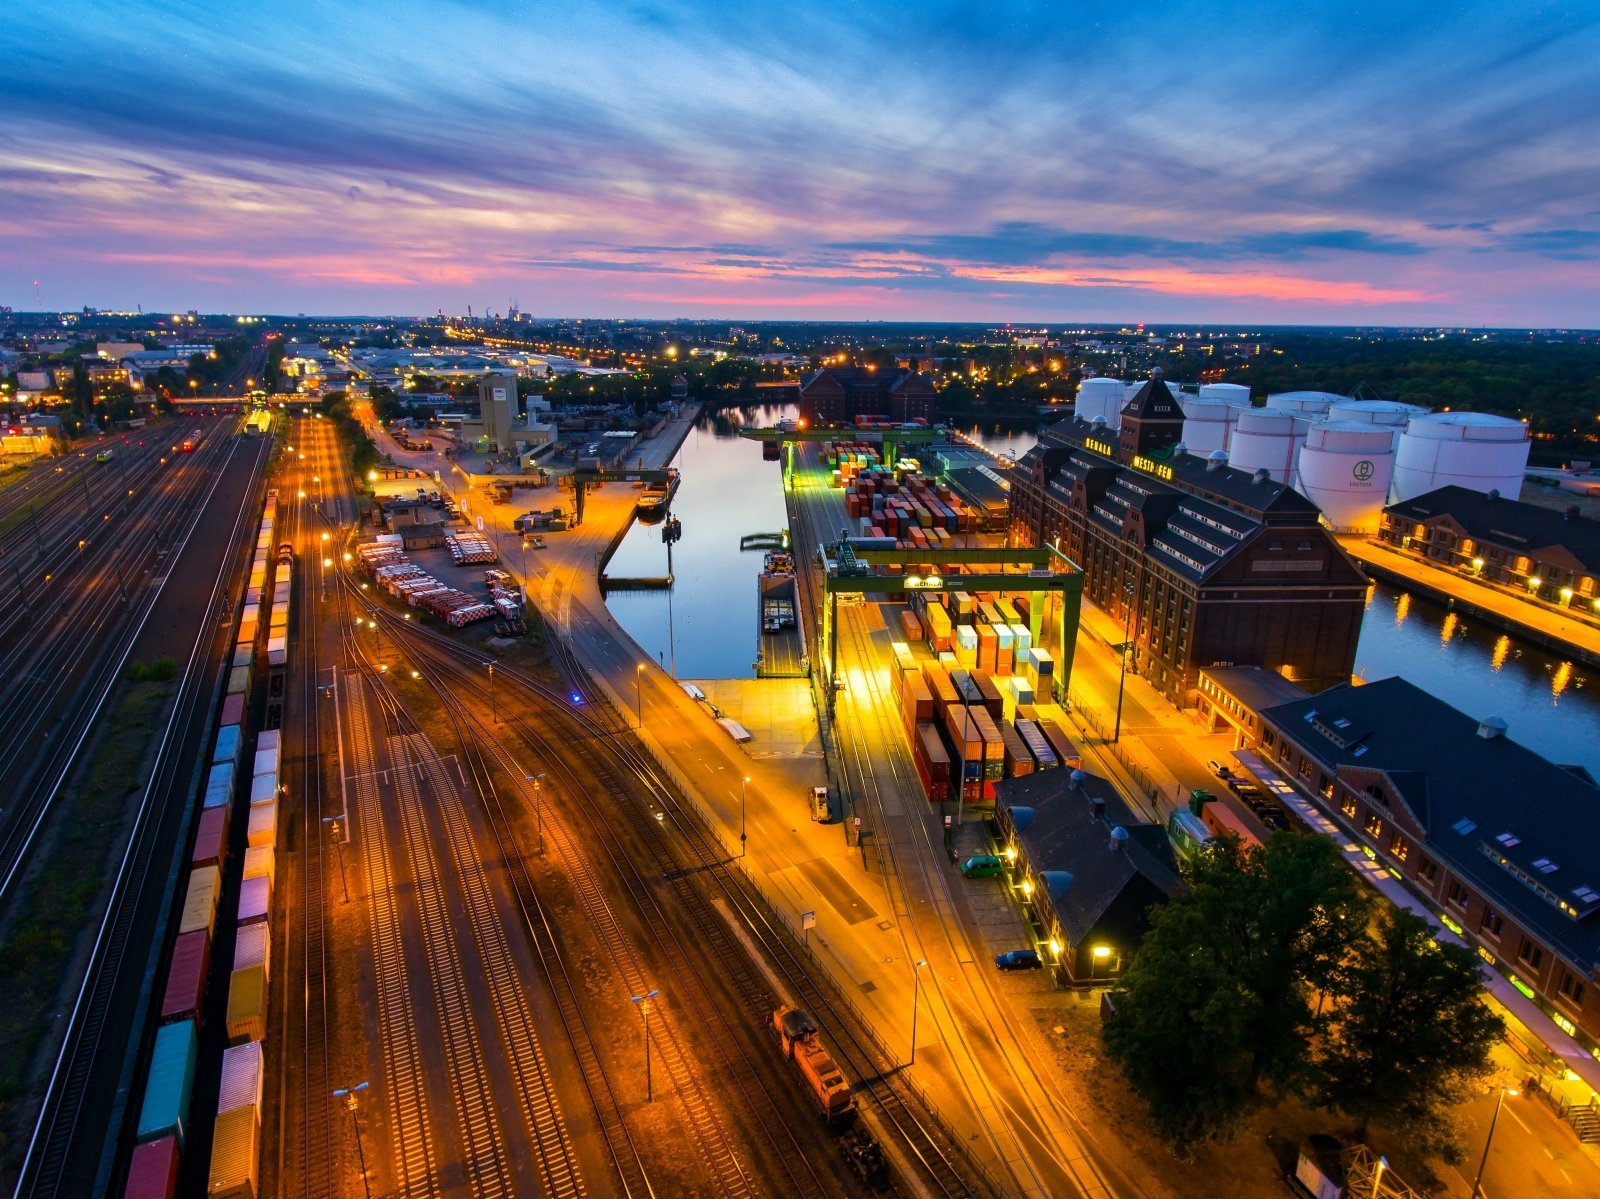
x: 1203, y: 564
x: 1552, y: 555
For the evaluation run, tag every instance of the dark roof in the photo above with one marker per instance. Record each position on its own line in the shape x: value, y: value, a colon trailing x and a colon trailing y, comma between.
x: 859, y: 380
x: 1524, y: 830
x: 1154, y: 401
x: 1255, y: 687
x: 1065, y: 835
x: 1526, y: 527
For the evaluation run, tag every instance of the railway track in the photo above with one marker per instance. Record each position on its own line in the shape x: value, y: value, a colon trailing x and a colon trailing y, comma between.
x: 54, y: 1159
x: 614, y: 760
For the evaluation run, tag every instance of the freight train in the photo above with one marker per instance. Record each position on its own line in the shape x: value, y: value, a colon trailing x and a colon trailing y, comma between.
x: 800, y: 1042
x: 204, y: 930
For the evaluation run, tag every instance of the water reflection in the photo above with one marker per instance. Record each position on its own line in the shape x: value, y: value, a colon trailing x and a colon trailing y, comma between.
x: 1549, y: 703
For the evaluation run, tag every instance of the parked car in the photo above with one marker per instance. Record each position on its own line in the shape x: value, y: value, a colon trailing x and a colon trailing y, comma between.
x: 981, y: 865
x: 1218, y: 769
x: 1017, y: 959
x: 819, y: 805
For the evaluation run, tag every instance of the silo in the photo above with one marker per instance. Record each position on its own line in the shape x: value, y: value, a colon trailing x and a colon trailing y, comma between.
x: 1467, y: 449
x: 1345, y: 468
x: 1309, y: 404
x: 1102, y: 397
x: 1207, y: 423
x: 1390, y: 413
x: 1264, y: 439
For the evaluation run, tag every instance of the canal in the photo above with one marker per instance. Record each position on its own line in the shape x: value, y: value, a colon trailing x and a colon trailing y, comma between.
x: 708, y: 622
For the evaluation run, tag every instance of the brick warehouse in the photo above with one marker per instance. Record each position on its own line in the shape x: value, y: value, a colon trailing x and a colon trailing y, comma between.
x: 1204, y: 564
x: 837, y: 395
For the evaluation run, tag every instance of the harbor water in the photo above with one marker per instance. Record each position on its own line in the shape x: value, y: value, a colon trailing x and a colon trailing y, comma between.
x: 708, y: 623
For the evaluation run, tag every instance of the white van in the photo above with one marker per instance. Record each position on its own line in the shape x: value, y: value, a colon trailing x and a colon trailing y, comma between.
x: 820, y: 811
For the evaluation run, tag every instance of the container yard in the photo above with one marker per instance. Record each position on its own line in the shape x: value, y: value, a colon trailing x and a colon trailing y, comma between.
x: 402, y: 579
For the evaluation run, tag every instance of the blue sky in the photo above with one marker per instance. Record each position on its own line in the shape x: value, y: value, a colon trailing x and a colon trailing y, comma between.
x: 1371, y: 163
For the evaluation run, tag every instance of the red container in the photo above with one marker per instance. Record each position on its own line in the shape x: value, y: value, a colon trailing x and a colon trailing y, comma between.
x: 232, y: 710
x: 932, y: 761
x: 186, y: 978
x: 211, y: 838
x: 153, y: 1172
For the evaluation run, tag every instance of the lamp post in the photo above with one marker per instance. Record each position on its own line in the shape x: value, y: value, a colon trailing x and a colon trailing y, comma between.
x: 1122, y: 655
x: 538, y: 813
x: 638, y: 695
x: 916, y: 994
x: 644, y: 1007
x: 494, y: 707
x: 348, y: 1094
x: 1500, y: 1098
x: 334, y: 831
x: 744, y: 785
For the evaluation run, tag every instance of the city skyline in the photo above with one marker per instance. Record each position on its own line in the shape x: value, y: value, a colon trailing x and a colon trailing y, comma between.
x: 1341, y: 164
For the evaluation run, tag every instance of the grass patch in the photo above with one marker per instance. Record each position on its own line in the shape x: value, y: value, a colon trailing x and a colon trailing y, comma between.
x: 46, y: 927
x: 159, y: 671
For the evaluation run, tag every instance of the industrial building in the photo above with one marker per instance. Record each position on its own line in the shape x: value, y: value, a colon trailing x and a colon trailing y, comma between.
x: 1203, y: 563
x: 1504, y: 844
x: 838, y: 395
x: 1548, y: 554
x: 1088, y: 869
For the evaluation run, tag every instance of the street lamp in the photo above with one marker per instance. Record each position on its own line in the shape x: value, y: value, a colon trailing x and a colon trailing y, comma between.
x: 1500, y: 1098
x: 744, y: 784
x: 494, y: 708
x: 1097, y: 955
x: 1122, y: 655
x: 916, y: 992
x: 644, y: 1007
x: 338, y: 848
x: 638, y: 695
x: 538, y: 815
x: 348, y: 1094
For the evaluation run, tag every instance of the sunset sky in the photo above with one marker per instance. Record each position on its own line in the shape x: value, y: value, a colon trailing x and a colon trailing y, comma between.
x: 1394, y: 163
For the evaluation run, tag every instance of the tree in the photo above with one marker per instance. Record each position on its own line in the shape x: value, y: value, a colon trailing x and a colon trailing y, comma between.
x: 1411, y: 1036
x: 1219, y: 998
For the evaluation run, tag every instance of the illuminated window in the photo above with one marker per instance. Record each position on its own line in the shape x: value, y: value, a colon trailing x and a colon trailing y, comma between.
x: 1398, y: 848
x: 1492, y: 923
x: 1347, y: 805
x: 1373, y: 825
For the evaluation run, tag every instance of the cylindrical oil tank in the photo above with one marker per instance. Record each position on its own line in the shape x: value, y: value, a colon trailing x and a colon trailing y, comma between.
x: 1102, y: 397
x: 1208, y: 420
x: 1465, y: 449
x: 1345, y: 468
x: 1309, y: 404
x: 1236, y: 394
x: 1264, y: 439
x: 1390, y: 413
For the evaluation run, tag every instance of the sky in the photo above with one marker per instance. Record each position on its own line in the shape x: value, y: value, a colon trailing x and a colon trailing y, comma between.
x: 1401, y: 163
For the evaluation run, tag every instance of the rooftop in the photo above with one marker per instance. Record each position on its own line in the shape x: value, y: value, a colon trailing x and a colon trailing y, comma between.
x: 1528, y: 527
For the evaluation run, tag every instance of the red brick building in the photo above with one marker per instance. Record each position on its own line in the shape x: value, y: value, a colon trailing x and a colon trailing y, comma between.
x: 837, y: 395
x: 1205, y: 564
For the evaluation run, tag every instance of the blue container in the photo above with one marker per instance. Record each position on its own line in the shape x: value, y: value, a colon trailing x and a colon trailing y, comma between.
x: 228, y: 742
x: 171, y: 1083
x: 220, y: 779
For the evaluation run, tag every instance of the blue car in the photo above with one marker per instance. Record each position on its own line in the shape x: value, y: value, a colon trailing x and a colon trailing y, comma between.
x: 1017, y: 959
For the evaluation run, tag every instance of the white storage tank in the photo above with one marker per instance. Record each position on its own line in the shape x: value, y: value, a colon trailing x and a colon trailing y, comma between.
x: 1468, y: 449
x: 1102, y: 397
x: 1390, y: 413
x: 1207, y: 423
x: 1309, y: 404
x: 1269, y: 440
x: 1236, y: 394
x: 1345, y: 468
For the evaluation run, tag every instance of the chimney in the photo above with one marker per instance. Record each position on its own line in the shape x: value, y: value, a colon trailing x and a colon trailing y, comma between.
x: 1119, y: 839
x: 1492, y: 727
x: 1097, y: 807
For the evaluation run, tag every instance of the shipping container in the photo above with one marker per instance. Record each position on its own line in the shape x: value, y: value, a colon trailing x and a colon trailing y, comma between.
x: 227, y: 746
x: 241, y: 1078
x: 932, y: 762
x: 939, y: 685
x: 239, y: 680
x: 268, y: 739
x: 263, y: 824
x: 210, y: 838
x: 989, y: 690
x: 1044, y: 757
x: 233, y: 710
x: 221, y: 777
x: 253, y: 947
x: 911, y: 625
x: 1066, y: 752
x: 218, y: 794
x: 987, y: 647
x: 258, y: 862
x: 247, y: 1005
x: 185, y: 993
x: 242, y: 656
x: 255, y: 899
x: 263, y: 789
x: 235, y: 1151
x: 1018, y: 759
x: 200, y: 900
x: 904, y: 659
x: 165, y: 1110
x: 153, y: 1170
x: 1221, y: 820
x: 266, y: 760
x: 1004, y: 644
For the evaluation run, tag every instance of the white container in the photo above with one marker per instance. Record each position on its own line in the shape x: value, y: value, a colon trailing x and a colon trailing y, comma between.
x: 253, y: 946
x: 263, y: 824
x: 241, y: 1077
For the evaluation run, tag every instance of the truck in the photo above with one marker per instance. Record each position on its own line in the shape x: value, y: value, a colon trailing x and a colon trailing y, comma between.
x: 800, y: 1042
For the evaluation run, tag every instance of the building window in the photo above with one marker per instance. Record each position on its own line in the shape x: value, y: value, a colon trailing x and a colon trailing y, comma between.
x: 1492, y: 923
x: 1427, y: 870
x: 1347, y: 805
x: 1530, y: 955
x: 1456, y: 895
x: 1571, y: 989
x: 1373, y: 825
x: 1399, y: 849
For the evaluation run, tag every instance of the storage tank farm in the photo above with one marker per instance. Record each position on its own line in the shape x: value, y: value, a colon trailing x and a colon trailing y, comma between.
x: 1268, y: 439
x: 1466, y: 449
x: 1209, y: 418
x: 1101, y: 396
x: 1390, y: 413
x: 1345, y: 468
